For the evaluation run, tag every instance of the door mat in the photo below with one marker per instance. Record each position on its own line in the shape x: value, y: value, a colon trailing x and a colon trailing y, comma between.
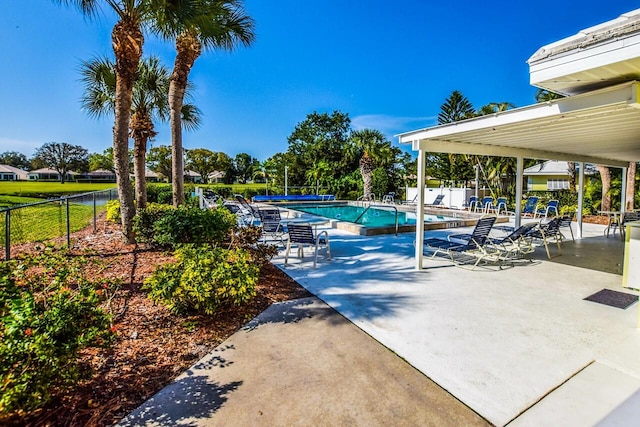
x: 613, y: 298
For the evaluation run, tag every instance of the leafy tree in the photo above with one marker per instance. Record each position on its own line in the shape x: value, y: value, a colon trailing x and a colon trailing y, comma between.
x: 102, y: 161
x: 217, y: 24
x: 265, y: 170
x: 494, y: 107
x: 127, y: 40
x: 319, y: 136
x: 15, y: 159
x: 202, y: 161
x: 543, y: 95
x: 159, y: 160
x: 244, y: 166
x: 63, y: 157
x: 149, y: 103
x: 318, y: 174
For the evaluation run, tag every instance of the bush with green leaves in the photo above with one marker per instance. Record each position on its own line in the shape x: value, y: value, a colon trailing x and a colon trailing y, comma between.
x: 193, y: 225
x: 46, y: 318
x: 203, y: 279
x: 145, y: 219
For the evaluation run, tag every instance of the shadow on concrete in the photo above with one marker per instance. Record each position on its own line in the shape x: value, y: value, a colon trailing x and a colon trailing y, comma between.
x: 183, y: 402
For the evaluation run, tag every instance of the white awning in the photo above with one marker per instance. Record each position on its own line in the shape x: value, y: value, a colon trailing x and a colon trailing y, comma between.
x: 600, y: 127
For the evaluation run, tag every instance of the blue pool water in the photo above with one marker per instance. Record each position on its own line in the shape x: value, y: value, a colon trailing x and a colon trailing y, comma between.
x: 374, y: 217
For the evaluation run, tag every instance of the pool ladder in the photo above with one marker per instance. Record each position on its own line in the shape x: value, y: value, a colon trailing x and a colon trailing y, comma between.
x: 379, y: 206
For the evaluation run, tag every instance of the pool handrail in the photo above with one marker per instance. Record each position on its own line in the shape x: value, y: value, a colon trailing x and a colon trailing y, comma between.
x: 381, y: 206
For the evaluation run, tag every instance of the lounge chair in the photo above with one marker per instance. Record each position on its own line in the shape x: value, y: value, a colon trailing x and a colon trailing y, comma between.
x: 501, y: 205
x: 271, y: 225
x: 487, y: 204
x: 301, y: 235
x: 517, y: 243
x: 437, y: 201
x: 552, y: 207
x: 473, y: 250
x: 530, y: 206
x: 472, y: 204
x: 389, y: 198
x: 479, y: 228
x: 248, y: 214
x: 547, y: 231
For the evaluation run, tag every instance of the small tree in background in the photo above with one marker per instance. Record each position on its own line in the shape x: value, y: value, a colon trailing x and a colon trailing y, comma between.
x: 63, y: 157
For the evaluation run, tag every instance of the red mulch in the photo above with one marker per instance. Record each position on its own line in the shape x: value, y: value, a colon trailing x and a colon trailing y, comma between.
x: 153, y: 345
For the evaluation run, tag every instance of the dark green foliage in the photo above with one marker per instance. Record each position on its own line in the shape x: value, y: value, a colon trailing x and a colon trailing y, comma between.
x: 192, y: 225
x: 154, y: 190
x: 204, y: 279
x: 46, y: 317
x: 145, y: 219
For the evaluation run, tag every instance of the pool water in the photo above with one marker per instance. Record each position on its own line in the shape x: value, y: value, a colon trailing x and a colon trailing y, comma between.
x: 374, y: 217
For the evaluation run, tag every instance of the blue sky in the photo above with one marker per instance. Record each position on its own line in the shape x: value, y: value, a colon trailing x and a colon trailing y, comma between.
x: 389, y: 64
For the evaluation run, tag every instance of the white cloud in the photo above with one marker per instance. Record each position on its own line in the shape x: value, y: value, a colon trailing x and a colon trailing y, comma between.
x: 390, y: 125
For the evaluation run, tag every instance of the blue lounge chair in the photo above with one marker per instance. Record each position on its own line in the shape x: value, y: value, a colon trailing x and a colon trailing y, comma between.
x: 437, y: 201
x: 517, y: 243
x: 472, y: 204
x: 487, y: 204
x: 547, y: 231
x: 552, y: 207
x: 473, y: 249
x: 501, y: 205
x: 530, y: 205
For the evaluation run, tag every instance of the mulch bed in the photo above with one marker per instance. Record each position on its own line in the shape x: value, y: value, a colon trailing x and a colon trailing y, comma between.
x: 153, y: 346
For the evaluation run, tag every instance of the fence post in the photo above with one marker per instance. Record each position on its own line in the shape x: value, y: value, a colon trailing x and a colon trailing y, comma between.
x: 68, y: 225
x: 95, y: 226
x: 7, y: 235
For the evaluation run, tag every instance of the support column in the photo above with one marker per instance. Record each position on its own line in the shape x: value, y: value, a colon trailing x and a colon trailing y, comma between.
x: 519, y: 174
x: 580, y: 197
x: 623, y: 194
x: 420, y: 209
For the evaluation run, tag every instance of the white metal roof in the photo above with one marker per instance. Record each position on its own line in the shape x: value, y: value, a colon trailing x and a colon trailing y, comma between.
x: 600, y: 127
x: 595, y: 57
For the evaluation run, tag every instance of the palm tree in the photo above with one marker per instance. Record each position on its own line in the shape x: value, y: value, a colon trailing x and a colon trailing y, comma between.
x: 149, y: 103
x: 219, y: 24
x: 127, y: 40
x: 318, y: 173
x: 494, y: 107
x: 369, y: 145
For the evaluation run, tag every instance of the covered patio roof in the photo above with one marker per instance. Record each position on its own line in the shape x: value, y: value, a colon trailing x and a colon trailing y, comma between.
x: 601, y: 127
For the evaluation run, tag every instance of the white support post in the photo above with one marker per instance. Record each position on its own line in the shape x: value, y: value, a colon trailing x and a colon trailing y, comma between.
x: 420, y: 210
x: 580, y: 197
x: 519, y: 174
x: 623, y: 197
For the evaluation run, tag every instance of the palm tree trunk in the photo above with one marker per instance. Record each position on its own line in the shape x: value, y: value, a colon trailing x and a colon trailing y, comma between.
x: 127, y: 42
x: 139, y: 170
x: 188, y: 49
x: 631, y: 186
x: 605, y: 177
x: 366, y: 169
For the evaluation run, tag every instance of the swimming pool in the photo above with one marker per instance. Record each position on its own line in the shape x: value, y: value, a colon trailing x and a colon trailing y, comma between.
x: 378, y: 216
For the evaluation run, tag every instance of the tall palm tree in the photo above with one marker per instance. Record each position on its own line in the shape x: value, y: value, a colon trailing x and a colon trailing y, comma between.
x: 149, y: 103
x: 127, y: 40
x: 219, y: 24
x: 369, y: 145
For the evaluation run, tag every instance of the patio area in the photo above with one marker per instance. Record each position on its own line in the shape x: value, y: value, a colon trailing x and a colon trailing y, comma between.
x: 519, y: 346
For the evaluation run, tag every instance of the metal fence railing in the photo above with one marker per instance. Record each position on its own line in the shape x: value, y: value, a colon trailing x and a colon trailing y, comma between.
x: 52, y: 218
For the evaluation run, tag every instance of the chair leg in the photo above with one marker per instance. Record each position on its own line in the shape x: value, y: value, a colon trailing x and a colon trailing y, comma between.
x: 286, y: 254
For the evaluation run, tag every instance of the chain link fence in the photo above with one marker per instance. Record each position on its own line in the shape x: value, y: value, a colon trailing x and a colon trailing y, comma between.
x: 52, y: 218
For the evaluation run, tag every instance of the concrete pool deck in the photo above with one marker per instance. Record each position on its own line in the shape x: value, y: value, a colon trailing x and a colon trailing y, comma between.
x: 519, y: 346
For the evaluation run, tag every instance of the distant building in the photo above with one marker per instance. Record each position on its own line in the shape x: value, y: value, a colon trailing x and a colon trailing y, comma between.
x: 10, y: 173
x: 46, y: 174
x: 216, y: 177
x: 101, y: 175
x: 551, y: 175
x: 192, y: 176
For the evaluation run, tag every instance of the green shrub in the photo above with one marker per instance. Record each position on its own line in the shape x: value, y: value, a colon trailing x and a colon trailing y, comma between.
x: 154, y: 189
x: 203, y: 279
x: 143, y: 222
x: 193, y: 225
x: 165, y: 196
x: 113, y: 210
x: 46, y: 318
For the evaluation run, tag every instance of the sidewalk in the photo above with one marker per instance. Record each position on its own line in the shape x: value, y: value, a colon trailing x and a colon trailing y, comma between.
x: 300, y: 363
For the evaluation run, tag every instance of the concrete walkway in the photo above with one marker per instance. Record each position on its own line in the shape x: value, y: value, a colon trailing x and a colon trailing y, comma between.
x: 518, y: 346
x: 300, y: 363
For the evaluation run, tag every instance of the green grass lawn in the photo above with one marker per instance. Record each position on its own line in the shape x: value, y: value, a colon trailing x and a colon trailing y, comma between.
x: 49, y: 189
